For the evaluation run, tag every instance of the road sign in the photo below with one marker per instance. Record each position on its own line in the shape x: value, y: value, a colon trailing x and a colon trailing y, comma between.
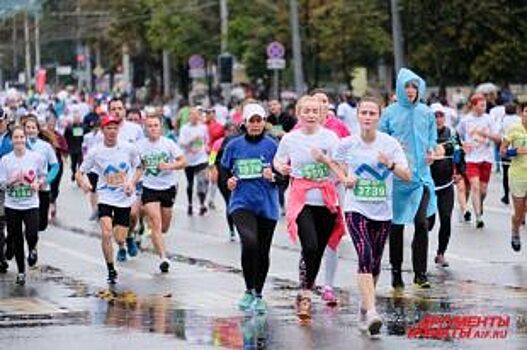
x: 275, y: 50
x: 275, y: 63
x: 196, y: 62
x: 63, y: 70
x: 98, y: 71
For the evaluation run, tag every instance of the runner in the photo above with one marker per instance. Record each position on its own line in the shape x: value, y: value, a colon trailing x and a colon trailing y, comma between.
x: 369, y: 159
x: 515, y: 146
x: 216, y: 131
x: 23, y: 172
x: 74, y: 135
x: 193, y: 138
x: 34, y: 143
x: 118, y: 166
x: 90, y: 140
x: 443, y: 175
x: 478, y: 132
x: 312, y: 208
x: 254, y: 201
x: 510, y: 118
x: 219, y: 174
x: 331, y: 122
x: 412, y: 123
x: 6, y: 146
x: 160, y: 158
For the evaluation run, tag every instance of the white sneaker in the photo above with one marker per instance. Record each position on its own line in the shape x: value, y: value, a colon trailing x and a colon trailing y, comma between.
x: 361, y: 320
x: 373, y: 322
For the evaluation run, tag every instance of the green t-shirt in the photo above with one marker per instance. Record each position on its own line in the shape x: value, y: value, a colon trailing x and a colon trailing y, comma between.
x: 517, y: 137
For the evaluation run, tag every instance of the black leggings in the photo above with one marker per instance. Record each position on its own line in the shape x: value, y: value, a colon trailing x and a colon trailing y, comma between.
x: 55, y: 185
x: 505, y: 165
x: 315, y: 224
x: 256, y: 235
x: 419, y: 243
x: 15, y: 219
x: 445, y: 205
x: 200, y: 172
x: 226, y: 194
x: 43, y: 198
x: 76, y: 161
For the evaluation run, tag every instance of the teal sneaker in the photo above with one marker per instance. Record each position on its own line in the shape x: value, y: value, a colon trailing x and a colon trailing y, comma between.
x: 121, y: 255
x: 259, y: 306
x: 246, y: 301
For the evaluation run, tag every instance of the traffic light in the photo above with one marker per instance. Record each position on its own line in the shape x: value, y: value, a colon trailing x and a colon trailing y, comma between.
x: 225, y: 63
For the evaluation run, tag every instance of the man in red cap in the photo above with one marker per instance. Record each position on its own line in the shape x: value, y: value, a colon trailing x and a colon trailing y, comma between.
x: 118, y: 166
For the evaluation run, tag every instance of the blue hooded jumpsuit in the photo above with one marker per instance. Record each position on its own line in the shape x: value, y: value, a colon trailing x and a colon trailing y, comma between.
x: 413, y: 125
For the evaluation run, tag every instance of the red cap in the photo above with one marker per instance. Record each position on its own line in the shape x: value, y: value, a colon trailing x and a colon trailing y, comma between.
x: 108, y: 119
x: 474, y: 100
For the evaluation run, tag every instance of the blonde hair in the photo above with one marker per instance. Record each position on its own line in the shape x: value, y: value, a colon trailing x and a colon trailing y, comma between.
x: 305, y: 99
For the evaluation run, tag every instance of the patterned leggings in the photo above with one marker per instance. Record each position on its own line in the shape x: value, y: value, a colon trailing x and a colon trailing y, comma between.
x: 369, y: 237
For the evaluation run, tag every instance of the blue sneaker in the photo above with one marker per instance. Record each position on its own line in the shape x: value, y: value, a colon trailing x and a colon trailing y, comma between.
x: 131, y: 245
x: 259, y: 306
x: 246, y: 301
x: 121, y: 255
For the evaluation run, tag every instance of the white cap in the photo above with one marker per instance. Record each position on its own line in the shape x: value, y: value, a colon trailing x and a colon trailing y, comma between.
x: 252, y: 109
x: 438, y: 107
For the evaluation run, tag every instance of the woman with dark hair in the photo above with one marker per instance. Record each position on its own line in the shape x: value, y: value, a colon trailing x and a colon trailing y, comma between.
x: 46, y: 151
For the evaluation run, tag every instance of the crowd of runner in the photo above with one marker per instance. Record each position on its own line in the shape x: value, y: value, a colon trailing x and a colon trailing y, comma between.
x: 367, y: 168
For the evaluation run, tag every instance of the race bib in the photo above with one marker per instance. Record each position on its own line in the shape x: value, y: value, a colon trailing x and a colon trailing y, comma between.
x: 370, y: 190
x: 20, y: 192
x: 77, y: 131
x: 249, y: 168
x: 196, y: 145
x: 315, y: 171
x: 277, y: 130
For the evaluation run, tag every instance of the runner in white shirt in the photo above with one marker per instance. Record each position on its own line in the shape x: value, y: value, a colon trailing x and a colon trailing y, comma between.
x: 118, y: 166
x: 478, y: 132
x: 369, y: 159
x: 89, y: 141
x: 193, y: 138
x: 160, y: 157
x: 23, y: 172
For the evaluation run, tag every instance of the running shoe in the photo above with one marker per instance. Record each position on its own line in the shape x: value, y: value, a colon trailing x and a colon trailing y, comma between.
x: 467, y: 216
x: 259, y: 306
x: 131, y: 246
x: 479, y: 223
x: 112, y: 276
x: 164, y: 266
x: 121, y: 255
x: 246, y: 301
x: 397, y: 279
x: 505, y: 200
x: 21, y: 279
x: 329, y: 296
x: 202, y: 210
x: 3, y: 266
x: 304, y: 308
x: 189, y: 210
x: 421, y: 281
x: 373, y: 322
x: 440, y: 260
x: 32, y: 258
x: 516, y: 243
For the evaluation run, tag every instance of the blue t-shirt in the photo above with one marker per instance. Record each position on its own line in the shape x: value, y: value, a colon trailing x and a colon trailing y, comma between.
x: 246, y: 161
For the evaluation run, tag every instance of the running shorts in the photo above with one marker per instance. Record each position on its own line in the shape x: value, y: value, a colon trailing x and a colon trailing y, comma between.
x: 120, y: 216
x: 165, y: 197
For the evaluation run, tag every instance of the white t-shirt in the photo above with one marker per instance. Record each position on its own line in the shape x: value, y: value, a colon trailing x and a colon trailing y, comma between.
x: 194, y: 139
x: 348, y: 115
x: 482, y: 148
x: 115, y: 166
x: 295, y: 148
x: 47, y: 152
x: 18, y: 173
x: 154, y: 153
x: 372, y: 196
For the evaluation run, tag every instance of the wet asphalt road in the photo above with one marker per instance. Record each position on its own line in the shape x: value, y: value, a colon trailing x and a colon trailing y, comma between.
x: 67, y: 304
